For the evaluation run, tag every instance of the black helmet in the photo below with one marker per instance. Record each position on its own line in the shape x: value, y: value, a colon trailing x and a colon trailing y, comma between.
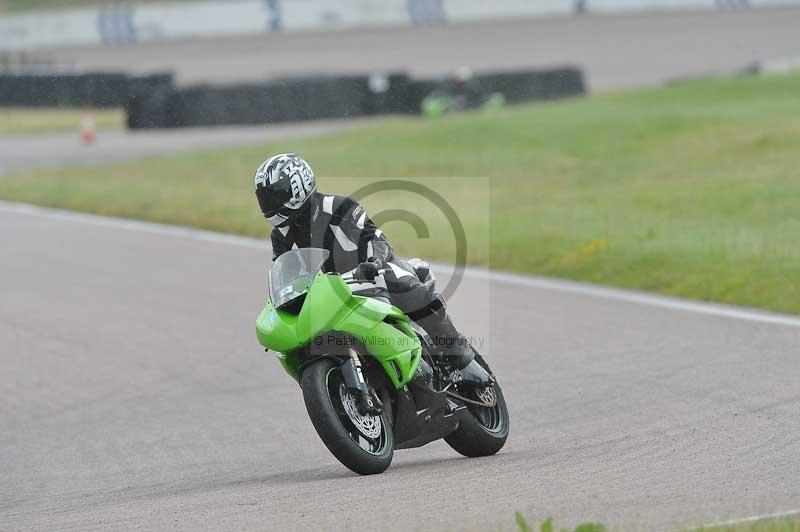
x: 284, y: 183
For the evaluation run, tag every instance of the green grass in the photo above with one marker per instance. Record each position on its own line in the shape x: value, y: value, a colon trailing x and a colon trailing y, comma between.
x: 547, y: 526
x: 691, y: 190
x: 26, y: 121
x: 769, y: 525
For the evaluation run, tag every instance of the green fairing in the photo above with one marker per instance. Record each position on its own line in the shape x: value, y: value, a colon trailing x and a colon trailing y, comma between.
x: 331, y: 307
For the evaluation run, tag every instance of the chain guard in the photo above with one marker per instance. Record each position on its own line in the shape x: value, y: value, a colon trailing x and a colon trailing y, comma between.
x: 487, y: 396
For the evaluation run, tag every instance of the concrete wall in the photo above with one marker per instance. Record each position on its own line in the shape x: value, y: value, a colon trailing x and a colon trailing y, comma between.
x: 127, y: 23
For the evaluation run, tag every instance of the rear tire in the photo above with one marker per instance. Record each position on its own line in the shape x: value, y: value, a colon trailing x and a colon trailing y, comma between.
x: 481, y: 433
x: 321, y: 384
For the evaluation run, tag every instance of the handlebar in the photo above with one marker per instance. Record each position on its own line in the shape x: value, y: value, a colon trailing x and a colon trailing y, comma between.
x: 349, y: 279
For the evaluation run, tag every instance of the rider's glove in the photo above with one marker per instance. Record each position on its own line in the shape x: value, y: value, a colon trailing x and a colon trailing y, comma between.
x: 366, y: 271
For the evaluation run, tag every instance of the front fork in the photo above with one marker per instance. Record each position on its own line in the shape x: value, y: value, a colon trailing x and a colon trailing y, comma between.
x: 366, y: 400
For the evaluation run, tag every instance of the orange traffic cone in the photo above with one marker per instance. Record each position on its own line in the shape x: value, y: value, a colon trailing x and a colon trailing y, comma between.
x: 88, y: 133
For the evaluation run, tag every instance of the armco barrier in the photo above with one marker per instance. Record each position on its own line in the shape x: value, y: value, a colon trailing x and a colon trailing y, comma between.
x: 320, y: 97
x: 116, y: 22
x: 95, y: 89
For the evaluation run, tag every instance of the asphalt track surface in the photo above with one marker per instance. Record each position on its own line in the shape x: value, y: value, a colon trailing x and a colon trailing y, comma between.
x: 53, y: 150
x: 617, y: 51
x: 135, y: 396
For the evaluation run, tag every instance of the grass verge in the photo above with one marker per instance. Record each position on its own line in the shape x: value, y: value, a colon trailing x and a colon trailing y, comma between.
x: 767, y: 525
x: 27, y: 121
x: 690, y: 190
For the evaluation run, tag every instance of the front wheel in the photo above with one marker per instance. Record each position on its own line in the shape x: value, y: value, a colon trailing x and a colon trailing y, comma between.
x: 482, y: 431
x: 362, y: 443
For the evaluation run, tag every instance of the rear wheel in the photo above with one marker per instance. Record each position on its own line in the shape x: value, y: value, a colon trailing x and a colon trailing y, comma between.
x: 482, y: 430
x: 362, y: 443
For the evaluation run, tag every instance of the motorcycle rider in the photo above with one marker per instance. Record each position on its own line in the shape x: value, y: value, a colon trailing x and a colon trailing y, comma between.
x: 302, y: 217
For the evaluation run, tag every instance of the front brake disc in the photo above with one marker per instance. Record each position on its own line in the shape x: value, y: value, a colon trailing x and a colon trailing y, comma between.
x: 367, y: 424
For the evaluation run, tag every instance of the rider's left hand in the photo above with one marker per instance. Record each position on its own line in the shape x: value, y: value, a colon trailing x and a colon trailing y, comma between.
x: 366, y: 271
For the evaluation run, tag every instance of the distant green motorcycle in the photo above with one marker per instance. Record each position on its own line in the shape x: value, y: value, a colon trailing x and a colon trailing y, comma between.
x: 369, y: 383
x: 435, y: 105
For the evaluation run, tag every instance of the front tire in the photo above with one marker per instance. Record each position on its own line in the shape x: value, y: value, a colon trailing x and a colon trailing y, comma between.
x: 363, y: 444
x: 482, y: 431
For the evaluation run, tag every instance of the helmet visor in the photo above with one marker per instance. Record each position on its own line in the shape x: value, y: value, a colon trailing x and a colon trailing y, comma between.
x: 269, y: 201
x: 276, y: 213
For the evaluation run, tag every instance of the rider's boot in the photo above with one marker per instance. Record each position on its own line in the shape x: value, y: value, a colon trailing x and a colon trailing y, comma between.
x: 449, y: 346
x: 452, y: 348
x: 475, y: 374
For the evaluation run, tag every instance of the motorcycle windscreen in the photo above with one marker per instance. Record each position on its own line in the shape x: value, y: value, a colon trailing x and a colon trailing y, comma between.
x: 293, y: 273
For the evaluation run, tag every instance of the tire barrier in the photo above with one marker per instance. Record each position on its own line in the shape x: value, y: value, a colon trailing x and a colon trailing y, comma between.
x: 534, y: 85
x: 285, y: 100
x: 321, y: 97
x: 91, y: 89
x: 154, y: 102
x: 278, y: 101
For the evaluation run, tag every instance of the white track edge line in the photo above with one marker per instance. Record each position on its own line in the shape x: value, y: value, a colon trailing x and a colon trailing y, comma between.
x: 542, y: 283
x: 638, y: 298
x: 753, y: 519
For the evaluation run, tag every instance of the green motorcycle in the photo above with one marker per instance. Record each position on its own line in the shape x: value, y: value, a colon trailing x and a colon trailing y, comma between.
x: 369, y: 382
